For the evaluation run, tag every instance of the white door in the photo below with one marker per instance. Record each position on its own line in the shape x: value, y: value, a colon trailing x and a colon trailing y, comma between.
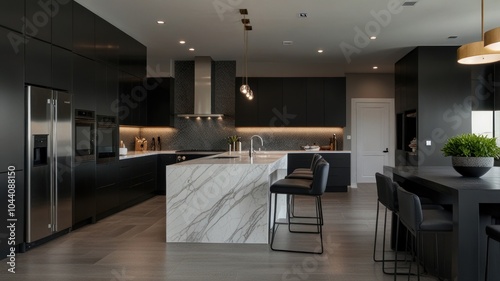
x: 373, y: 137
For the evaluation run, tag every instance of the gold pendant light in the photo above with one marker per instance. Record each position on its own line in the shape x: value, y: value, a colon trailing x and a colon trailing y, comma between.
x: 492, y: 39
x: 476, y: 53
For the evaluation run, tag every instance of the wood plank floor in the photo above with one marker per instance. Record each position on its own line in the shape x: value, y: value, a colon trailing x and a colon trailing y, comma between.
x: 131, y: 246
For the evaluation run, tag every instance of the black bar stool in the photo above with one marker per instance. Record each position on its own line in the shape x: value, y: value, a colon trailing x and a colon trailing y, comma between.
x: 418, y: 220
x: 305, y: 174
x: 315, y: 187
x: 493, y: 232
x: 388, y: 197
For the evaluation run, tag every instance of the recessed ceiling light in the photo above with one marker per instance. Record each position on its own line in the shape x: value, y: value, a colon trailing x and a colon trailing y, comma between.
x: 320, y: 51
x: 373, y: 37
x: 191, y: 49
x: 160, y: 22
x: 287, y: 43
x: 375, y: 67
x: 182, y: 42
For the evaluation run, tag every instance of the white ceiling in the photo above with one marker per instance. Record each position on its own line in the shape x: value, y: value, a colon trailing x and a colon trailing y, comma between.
x: 214, y: 28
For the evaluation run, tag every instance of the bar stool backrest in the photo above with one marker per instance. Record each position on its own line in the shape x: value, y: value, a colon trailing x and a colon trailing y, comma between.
x: 314, y: 162
x: 410, y: 210
x: 387, y: 193
x: 318, y: 185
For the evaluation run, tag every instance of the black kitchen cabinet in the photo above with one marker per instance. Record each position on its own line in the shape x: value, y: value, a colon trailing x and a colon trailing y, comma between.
x: 38, y: 63
x: 110, y: 107
x: 271, y: 112
x: 62, y: 24
x: 18, y: 203
x: 339, y: 174
x: 62, y: 68
x: 335, y: 102
x: 11, y: 14
x: 38, y: 20
x: 137, y: 179
x: 83, y: 31
x: 12, y: 94
x: 84, y: 204
x: 107, y: 189
x: 106, y: 89
x: 246, y: 110
x: 295, y: 96
x: 107, y: 40
x: 132, y: 101
x: 160, y: 103
x: 163, y: 161
x: 83, y: 83
x: 292, y: 102
x: 132, y: 56
x: 315, y: 102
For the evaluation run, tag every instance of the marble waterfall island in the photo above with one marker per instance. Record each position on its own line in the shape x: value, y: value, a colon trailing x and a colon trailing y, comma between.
x: 219, y: 199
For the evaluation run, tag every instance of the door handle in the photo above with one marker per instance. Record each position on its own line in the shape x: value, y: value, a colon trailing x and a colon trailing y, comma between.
x: 386, y: 150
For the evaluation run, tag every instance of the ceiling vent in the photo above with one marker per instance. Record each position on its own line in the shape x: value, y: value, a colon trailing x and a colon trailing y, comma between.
x: 287, y: 43
x: 409, y: 3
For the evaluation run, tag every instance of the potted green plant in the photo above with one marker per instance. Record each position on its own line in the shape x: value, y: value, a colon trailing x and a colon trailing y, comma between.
x: 471, y: 155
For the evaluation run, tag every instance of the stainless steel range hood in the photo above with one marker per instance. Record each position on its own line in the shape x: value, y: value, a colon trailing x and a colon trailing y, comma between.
x: 203, y: 95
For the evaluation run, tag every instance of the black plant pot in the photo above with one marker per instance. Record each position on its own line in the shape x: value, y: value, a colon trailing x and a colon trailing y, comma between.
x: 472, y: 166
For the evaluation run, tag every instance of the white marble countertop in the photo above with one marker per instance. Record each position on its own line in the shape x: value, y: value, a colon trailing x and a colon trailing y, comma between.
x: 238, y: 158
x: 262, y: 157
x: 135, y: 154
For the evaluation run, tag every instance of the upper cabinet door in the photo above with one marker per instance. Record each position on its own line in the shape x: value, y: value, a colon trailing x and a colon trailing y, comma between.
x: 38, y: 19
x: 294, y: 101
x: 11, y: 14
x: 38, y: 63
x: 12, y: 103
x: 107, y: 41
x: 62, y: 68
x: 84, y: 71
x: 335, y: 102
x: 271, y: 112
x: 315, y: 102
x: 62, y: 24
x: 83, y: 31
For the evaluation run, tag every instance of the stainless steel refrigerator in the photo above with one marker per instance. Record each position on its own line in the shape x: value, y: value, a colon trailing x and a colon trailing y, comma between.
x: 49, y: 159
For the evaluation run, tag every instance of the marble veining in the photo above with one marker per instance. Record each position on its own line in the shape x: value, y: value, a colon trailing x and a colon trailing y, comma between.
x: 219, y: 203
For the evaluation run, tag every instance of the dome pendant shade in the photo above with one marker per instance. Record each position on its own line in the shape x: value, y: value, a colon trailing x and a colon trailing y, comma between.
x: 492, y: 39
x: 476, y: 53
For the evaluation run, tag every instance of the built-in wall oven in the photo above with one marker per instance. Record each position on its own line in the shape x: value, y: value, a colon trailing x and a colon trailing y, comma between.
x: 84, y: 135
x: 107, y: 138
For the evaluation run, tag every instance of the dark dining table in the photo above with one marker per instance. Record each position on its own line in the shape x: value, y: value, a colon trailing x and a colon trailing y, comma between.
x: 472, y: 200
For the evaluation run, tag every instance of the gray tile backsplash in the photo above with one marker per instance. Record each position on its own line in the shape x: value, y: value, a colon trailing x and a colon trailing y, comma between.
x: 212, y: 134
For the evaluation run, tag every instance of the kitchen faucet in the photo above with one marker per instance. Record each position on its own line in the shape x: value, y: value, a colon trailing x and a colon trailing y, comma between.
x: 251, y: 152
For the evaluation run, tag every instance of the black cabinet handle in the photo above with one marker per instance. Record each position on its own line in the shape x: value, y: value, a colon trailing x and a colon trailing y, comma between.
x: 386, y: 150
